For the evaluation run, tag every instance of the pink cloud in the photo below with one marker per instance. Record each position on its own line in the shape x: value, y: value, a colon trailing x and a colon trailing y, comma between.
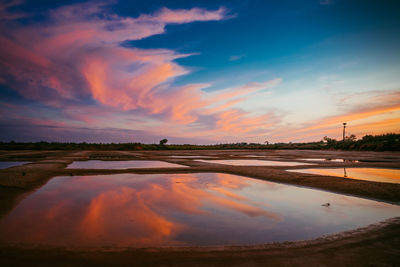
x: 166, y: 15
x: 79, y: 44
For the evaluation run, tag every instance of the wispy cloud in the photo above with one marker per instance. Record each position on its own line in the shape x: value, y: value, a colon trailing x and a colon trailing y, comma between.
x: 325, y: 2
x: 377, y: 114
x: 236, y: 57
x: 5, y: 14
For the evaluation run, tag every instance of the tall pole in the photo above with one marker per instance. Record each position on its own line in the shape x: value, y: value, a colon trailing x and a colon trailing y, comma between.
x: 344, y: 130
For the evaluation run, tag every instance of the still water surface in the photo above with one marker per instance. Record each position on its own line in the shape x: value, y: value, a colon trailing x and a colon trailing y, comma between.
x: 8, y: 164
x: 367, y: 174
x: 181, y: 210
x: 190, y: 157
x: 254, y: 162
x: 125, y: 164
x: 333, y: 160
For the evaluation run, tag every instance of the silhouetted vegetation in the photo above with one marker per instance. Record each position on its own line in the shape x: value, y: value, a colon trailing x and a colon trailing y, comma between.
x: 163, y: 141
x: 385, y: 142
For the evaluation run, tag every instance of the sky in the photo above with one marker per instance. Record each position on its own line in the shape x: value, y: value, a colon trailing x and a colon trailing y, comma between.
x: 199, y: 72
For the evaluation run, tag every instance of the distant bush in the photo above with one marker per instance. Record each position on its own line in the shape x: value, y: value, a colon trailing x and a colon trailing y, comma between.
x: 163, y: 141
x: 385, y: 142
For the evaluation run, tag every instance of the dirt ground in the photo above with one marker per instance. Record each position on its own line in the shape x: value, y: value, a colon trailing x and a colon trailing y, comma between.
x: 377, y: 245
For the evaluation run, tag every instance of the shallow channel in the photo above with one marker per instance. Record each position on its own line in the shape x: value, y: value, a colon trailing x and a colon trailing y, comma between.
x: 333, y: 160
x: 8, y: 164
x: 123, y: 164
x: 368, y: 174
x: 254, y: 162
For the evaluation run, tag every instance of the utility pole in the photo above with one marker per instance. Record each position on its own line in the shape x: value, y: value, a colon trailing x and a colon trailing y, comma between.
x: 344, y: 130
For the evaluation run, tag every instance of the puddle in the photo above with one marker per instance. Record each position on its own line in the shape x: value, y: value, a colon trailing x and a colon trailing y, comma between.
x: 99, y: 164
x: 367, y: 174
x: 254, y: 162
x: 190, y: 157
x: 181, y: 210
x: 333, y: 160
x: 8, y: 164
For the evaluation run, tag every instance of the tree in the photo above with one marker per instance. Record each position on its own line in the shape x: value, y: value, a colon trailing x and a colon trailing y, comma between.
x: 163, y: 142
x: 329, y: 141
x: 352, y: 138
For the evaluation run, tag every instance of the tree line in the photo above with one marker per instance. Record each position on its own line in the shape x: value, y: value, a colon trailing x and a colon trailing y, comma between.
x: 384, y: 142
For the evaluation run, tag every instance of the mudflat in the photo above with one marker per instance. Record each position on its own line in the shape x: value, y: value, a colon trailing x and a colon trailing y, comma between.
x: 377, y: 244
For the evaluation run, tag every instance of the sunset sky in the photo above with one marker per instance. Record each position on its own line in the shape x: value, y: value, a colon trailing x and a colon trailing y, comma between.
x: 199, y: 72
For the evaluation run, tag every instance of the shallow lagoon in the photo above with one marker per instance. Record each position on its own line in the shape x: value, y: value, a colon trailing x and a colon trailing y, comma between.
x: 190, y: 157
x: 367, y: 174
x: 254, y: 162
x: 181, y: 210
x: 99, y: 164
x: 333, y: 160
x: 8, y: 164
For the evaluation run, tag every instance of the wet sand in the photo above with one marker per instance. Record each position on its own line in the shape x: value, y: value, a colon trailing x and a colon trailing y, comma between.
x: 375, y: 245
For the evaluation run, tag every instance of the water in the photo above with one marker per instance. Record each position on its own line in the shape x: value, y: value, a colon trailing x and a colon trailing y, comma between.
x: 333, y: 160
x: 99, y: 164
x: 190, y: 157
x: 367, y: 174
x: 8, y: 164
x: 181, y: 210
x: 255, y: 162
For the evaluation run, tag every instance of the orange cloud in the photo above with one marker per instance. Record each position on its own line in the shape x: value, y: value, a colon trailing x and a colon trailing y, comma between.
x: 239, y: 122
x: 245, y: 89
x: 357, y: 115
x: 379, y: 114
x: 374, y: 127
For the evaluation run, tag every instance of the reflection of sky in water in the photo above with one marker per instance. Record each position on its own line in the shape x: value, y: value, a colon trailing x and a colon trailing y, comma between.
x: 333, y: 160
x: 99, y: 164
x: 254, y: 162
x: 181, y: 209
x: 367, y: 174
x: 8, y: 164
x: 190, y: 157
